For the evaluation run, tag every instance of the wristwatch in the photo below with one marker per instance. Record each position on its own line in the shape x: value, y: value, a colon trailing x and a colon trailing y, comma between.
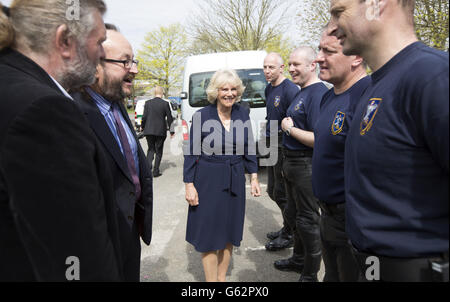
x: 288, y: 131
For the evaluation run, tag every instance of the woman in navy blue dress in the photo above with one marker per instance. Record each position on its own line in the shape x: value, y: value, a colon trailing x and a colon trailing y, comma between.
x: 221, y: 151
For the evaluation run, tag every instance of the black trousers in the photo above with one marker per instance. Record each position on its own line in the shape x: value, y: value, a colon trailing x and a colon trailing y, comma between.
x: 131, y: 249
x: 275, y: 184
x: 388, y: 269
x: 340, y: 263
x: 302, y: 211
x: 155, y: 146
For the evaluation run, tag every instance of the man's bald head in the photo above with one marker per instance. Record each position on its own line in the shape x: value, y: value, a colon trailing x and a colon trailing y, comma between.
x: 302, y: 67
x: 275, y: 57
x: 306, y: 52
x: 274, y: 68
x: 116, y: 44
x: 116, y: 73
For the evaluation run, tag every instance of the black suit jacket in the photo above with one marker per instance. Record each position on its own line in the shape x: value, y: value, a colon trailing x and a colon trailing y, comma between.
x: 157, y: 117
x: 56, y: 195
x: 123, y: 183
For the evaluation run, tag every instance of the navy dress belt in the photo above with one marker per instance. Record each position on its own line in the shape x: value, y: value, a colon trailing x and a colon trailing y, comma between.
x: 230, y: 172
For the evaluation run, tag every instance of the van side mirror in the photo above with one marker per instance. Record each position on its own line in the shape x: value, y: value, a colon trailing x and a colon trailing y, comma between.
x: 183, y: 95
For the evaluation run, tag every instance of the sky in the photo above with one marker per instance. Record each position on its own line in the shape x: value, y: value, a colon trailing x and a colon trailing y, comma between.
x: 135, y: 18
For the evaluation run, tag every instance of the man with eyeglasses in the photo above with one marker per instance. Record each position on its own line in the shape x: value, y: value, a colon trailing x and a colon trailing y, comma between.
x: 102, y: 104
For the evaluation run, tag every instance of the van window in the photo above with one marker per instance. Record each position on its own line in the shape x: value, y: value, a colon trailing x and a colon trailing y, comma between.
x: 253, y: 79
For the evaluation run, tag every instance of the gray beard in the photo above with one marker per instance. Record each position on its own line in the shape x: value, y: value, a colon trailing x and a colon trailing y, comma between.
x: 80, y: 72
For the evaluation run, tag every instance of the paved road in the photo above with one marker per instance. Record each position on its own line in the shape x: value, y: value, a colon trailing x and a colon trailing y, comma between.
x: 170, y: 258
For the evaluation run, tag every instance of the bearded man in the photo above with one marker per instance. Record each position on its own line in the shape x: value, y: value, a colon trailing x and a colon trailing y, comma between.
x: 57, y: 217
x: 102, y: 104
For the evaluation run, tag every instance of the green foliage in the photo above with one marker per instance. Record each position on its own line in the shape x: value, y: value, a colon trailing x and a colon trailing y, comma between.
x: 282, y: 46
x: 431, y: 19
x: 161, y: 57
x: 312, y: 16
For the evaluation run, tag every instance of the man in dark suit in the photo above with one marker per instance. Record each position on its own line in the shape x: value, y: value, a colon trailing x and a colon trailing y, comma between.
x: 57, y: 216
x: 155, y: 121
x: 102, y: 103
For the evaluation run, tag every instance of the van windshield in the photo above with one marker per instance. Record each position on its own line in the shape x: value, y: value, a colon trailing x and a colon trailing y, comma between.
x: 253, y: 80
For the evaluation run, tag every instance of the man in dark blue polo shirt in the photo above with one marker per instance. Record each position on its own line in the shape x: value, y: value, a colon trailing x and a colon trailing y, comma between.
x: 348, y: 75
x: 397, y: 151
x: 280, y: 93
x: 302, y: 212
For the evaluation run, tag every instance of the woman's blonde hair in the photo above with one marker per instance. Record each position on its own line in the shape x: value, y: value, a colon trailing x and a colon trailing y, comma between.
x: 32, y: 23
x: 221, y: 78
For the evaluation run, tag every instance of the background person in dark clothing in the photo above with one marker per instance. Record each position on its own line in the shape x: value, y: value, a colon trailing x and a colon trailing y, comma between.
x: 302, y: 211
x: 155, y: 121
x: 280, y: 93
x: 348, y: 75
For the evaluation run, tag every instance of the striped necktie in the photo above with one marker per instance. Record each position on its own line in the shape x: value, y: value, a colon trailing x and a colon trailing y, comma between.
x: 127, y: 150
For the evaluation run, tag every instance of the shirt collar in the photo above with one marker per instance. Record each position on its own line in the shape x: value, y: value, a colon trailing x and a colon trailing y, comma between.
x: 103, y: 104
x: 61, y: 88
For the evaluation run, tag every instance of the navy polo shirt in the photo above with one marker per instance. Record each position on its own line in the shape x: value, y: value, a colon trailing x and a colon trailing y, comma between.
x: 304, y: 111
x: 278, y: 100
x: 397, y: 158
x: 330, y: 133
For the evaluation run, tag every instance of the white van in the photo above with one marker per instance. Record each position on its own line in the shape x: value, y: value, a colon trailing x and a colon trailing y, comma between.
x: 197, y: 75
x: 138, y: 112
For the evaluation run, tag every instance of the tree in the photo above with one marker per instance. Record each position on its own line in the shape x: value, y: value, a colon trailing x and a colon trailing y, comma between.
x: 282, y: 46
x: 312, y: 16
x: 431, y: 18
x: 233, y: 25
x: 161, y: 57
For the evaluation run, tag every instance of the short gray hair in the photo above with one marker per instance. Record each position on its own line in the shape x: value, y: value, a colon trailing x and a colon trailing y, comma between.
x: 277, y: 56
x: 308, y: 53
x: 219, y: 79
x: 34, y: 22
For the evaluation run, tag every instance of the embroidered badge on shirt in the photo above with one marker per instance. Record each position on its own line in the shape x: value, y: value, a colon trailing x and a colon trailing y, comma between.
x: 371, y: 112
x: 277, y: 101
x: 297, y: 108
x: 338, y: 123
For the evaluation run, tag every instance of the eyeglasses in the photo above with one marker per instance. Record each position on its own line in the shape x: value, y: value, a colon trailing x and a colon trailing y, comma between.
x: 126, y: 63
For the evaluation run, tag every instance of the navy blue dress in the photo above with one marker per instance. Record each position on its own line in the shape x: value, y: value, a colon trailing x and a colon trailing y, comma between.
x: 216, y: 161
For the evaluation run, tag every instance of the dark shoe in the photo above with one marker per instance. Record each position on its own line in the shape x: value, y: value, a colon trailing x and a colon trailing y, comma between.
x: 285, y: 232
x: 280, y: 243
x: 289, y: 265
x: 157, y: 174
x: 311, y: 267
x: 308, y: 278
x: 274, y: 235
